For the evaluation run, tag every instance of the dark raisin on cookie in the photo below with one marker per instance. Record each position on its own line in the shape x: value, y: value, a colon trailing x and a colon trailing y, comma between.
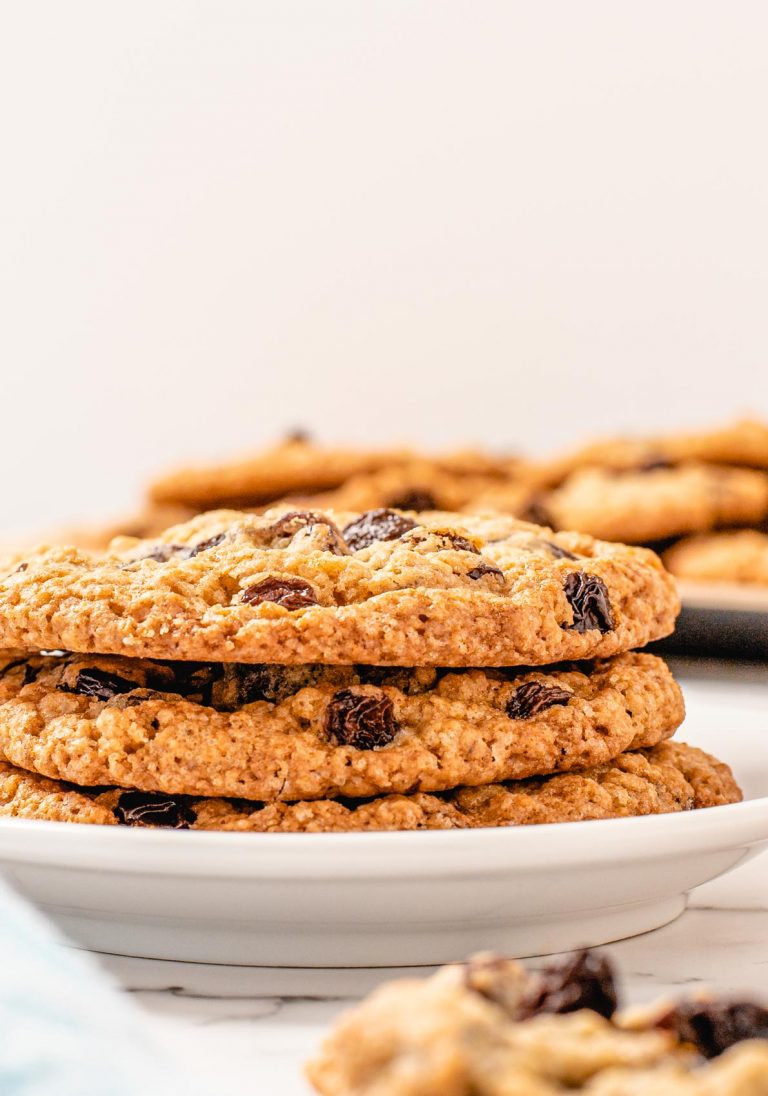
x: 294, y: 521
x: 205, y: 545
x: 588, y: 597
x: 154, y: 809
x: 584, y: 979
x: 376, y: 525
x: 22, y: 567
x: 534, y: 697
x: 414, y: 498
x: 98, y: 684
x: 485, y: 569
x: 271, y: 682
x: 361, y: 720
x: 291, y: 593
x: 459, y: 543
x: 31, y: 673
x: 162, y: 553
x: 557, y: 550
x: 441, y: 540
x: 714, y: 1026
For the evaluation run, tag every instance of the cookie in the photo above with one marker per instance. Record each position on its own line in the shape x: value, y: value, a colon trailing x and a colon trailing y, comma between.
x: 297, y: 466
x: 490, y: 1028
x: 737, y: 556
x: 668, y: 778
x: 638, y: 507
x: 308, y: 732
x: 420, y: 485
x: 744, y: 443
x: 381, y: 587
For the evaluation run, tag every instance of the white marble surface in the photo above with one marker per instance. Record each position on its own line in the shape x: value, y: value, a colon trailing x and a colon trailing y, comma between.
x: 238, y: 1025
x: 255, y: 1026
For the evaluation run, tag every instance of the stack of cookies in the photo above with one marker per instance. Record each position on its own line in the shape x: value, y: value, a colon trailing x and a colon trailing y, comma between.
x: 319, y: 671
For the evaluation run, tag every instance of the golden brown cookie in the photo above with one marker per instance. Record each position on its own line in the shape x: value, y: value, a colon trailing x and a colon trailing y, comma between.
x: 381, y: 587
x: 638, y: 507
x: 492, y: 1029
x: 424, y: 485
x: 737, y: 556
x: 744, y: 442
x: 668, y: 778
x: 298, y: 466
x: 308, y: 732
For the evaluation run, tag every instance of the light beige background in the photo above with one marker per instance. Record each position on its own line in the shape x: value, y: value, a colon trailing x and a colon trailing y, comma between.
x: 514, y: 223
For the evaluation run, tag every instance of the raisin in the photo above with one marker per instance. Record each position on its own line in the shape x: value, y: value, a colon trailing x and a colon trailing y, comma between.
x: 162, y: 553
x: 272, y: 683
x: 31, y: 673
x: 588, y: 597
x: 414, y: 498
x: 154, y: 809
x: 442, y: 540
x: 299, y: 434
x: 361, y: 720
x: 714, y: 1026
x: 534, y: 697
x: 293, y: 522
x: 99, y: 684
x: 584, y: 979
x: 376, y: 525
x: 291, y: 593
x: 485, y: 569
x: 228, y: 686
x: 558, y: 552
x: 459, y: 543
x: 22, y: 567
x: 204, y: 545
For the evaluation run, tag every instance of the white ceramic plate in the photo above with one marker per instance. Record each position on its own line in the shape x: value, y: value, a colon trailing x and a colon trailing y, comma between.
x: 400, y: 898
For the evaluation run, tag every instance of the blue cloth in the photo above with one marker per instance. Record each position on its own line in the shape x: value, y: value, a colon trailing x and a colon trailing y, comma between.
x: 64, y: 1029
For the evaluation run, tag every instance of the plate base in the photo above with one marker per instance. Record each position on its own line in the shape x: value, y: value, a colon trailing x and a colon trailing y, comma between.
x: 381, y: 946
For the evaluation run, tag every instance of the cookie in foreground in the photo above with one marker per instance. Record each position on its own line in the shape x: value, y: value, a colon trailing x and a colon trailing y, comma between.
x: 270, y: 732
x: 381, y: 587
x: 669, y: 778
x: 490, y: 1028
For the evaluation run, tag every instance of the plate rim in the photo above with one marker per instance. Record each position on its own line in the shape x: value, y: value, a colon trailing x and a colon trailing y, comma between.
x: 368, y: 856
